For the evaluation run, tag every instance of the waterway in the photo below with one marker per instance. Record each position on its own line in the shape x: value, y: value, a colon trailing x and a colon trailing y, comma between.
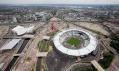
x: 39, y: 60
x: 16, y: 57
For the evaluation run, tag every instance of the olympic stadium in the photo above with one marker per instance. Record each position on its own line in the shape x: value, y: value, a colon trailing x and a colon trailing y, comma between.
x: 75, y: 42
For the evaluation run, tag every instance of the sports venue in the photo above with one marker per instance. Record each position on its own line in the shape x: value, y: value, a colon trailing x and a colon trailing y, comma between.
x: 75, y: 42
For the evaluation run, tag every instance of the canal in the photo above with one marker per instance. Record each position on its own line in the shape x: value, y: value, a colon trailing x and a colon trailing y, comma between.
x: 16, y: 57
x: 39, y: 60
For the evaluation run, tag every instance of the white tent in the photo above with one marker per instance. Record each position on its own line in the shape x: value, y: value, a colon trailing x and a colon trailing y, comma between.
x: 10, y: 44
x: 20, y: 30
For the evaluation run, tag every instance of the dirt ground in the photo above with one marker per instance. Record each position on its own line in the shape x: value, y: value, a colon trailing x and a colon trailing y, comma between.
x: 3, y: 30
x: 93, y: 26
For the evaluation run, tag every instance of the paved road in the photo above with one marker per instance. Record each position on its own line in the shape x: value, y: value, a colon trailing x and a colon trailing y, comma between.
x: 14, y: 24
x: 46, y: 21
x: 114, y: 65
x: 106, y: 44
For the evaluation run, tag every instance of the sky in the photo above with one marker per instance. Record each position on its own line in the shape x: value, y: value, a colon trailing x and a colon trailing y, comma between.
x: 59, y: 1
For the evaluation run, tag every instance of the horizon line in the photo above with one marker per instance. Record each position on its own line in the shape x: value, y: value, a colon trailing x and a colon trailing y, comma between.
x: 59, y: 4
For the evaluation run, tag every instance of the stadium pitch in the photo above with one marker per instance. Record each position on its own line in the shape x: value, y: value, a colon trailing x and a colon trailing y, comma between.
x: 73, y: 41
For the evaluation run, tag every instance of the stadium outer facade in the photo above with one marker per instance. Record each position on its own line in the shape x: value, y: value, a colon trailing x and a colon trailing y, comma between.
x: 89, y: 45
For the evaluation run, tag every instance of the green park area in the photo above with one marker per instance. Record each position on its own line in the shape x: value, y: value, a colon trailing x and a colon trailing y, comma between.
x: 114, y: 41
x: 106, y: 61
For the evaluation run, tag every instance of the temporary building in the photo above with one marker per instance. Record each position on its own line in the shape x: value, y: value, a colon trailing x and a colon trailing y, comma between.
x: 20, y: 30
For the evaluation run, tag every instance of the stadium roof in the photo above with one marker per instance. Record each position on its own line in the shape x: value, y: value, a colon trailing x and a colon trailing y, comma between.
x: 10, y: 44
x: 20, y: 30
x: 75, y: 52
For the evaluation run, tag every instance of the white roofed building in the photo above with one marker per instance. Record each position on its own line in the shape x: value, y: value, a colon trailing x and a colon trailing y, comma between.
x: 20, y: 30
x: 10, y: 45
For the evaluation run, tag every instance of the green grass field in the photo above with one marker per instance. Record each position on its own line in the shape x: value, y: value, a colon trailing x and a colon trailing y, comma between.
x: 73, y: 41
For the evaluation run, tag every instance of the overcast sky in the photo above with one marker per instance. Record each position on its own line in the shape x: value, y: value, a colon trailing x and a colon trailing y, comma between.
x: 59, y: 1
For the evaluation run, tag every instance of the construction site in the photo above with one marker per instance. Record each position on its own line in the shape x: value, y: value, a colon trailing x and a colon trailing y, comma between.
x: 43, y: 47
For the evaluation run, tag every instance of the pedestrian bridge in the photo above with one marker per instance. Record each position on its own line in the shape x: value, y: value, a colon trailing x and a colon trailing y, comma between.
x: 41, y: 54
x: 97, y: 66
x: 16, y: 54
